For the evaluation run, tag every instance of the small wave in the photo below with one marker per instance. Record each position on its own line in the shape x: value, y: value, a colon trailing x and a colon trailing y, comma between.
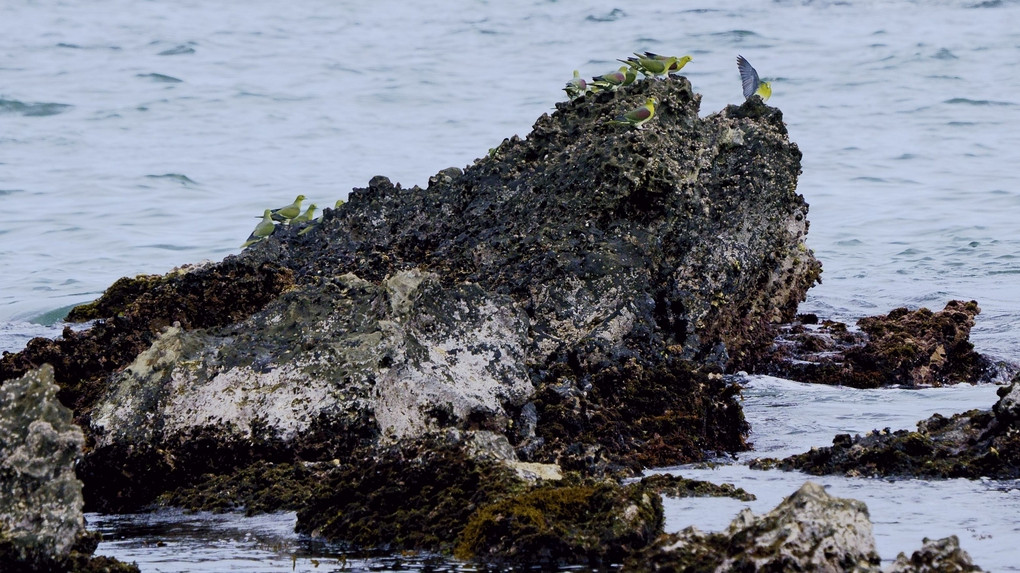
x: 945, y: 54
x: 161, y: 78
x: 177, y: 51
x: 166, y: 247
x: 612, y: 16
x: 182, y: 179
x: 39, y: 109
x: 977, y: 101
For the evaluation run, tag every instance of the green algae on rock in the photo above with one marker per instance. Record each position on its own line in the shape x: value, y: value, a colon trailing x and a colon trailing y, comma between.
x: 563, y: 524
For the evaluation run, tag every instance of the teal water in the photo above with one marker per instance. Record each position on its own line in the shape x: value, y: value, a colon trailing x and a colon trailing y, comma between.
x: 138, y: 136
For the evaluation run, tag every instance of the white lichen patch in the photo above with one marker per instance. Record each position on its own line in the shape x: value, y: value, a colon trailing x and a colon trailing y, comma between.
x: 283, y: 399
x: 455, y: 355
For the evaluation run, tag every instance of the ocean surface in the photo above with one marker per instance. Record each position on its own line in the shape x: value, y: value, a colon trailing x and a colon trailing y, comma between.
x: 136, y: 136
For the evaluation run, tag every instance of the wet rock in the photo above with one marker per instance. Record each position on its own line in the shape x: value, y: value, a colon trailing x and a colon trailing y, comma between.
x: 808, y: 531
x: 907, y: 348
x: 42, y: 527
x: 935, y: 556
x: 678, y: 486
x: 413, y: 495
x: 978, y: 443
x: 563, y: 524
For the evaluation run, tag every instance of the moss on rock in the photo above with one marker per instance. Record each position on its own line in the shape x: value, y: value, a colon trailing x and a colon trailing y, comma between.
x: 556, y: 525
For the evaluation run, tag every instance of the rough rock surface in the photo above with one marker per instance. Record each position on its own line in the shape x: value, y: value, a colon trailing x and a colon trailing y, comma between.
x: 978, y: 443
x: 935, y: 556
x: 808, y: 531
x: 907, y: 348
x: 567, y: 304
x: 42, y: 527
x: 40, y: 497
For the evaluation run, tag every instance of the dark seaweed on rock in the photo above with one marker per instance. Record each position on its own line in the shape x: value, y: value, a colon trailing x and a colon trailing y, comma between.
x: 909, y: 348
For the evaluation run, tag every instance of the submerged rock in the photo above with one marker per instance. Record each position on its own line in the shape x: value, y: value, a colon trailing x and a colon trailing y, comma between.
x: 42, y: 527
x: 566, y: 304
x: 907, y: 348
x: 808, y: 531
x: 978, y: 443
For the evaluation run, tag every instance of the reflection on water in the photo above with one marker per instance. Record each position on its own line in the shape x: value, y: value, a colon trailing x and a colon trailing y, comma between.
x: 172, y: 540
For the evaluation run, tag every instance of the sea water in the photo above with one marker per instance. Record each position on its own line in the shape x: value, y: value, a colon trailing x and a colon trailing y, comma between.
x: 140, y: 135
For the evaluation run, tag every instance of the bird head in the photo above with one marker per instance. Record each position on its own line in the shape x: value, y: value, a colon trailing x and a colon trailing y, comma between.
x: 299, y: 198
x: 764, y: 90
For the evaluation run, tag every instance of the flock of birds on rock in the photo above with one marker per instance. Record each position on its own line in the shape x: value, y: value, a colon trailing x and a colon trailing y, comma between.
x: 648, y: 64
x: 287, y: 215
x: 652, y: 65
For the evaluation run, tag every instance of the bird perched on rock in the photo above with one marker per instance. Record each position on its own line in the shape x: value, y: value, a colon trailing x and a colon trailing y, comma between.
x: 653, y: 67
x: 306, y: 216
x: 677, y: 65
x: 639, y: 116
x: 290, y: 211
x: 576, y: 87
x: 263, y: 229
x: 622, y: 77
x: 752, y: 83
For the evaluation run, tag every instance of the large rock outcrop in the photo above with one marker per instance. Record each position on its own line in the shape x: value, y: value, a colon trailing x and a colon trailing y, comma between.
x: 573, y: 297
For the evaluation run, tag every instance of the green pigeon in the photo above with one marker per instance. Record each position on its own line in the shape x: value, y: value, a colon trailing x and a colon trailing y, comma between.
x: 638, y: 116
x: 674, y: 68
x: 306, y: 216
x: 752, y: 83
x: 290, y: 211
x: 651, y: 66
x: 576, y: 87
x: 612, y: 80
x: 339, y: 202
x: 264, y: 228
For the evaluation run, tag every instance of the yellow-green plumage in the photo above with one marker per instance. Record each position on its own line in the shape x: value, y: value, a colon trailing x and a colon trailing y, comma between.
x: 306, y: 216
x: 263, y: 229
x: 638, y: 116
x: 752, y: 84
x: 675, y: 66
x: 290, y: 211
x: 652, y: 66
x: 576, y: 87
x: 612, y: 80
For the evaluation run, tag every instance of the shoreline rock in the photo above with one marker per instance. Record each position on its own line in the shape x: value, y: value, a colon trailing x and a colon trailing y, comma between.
x: 809, y: 531
x: 42, y: 527
x: 908, y: 348
x: 973, y: 444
